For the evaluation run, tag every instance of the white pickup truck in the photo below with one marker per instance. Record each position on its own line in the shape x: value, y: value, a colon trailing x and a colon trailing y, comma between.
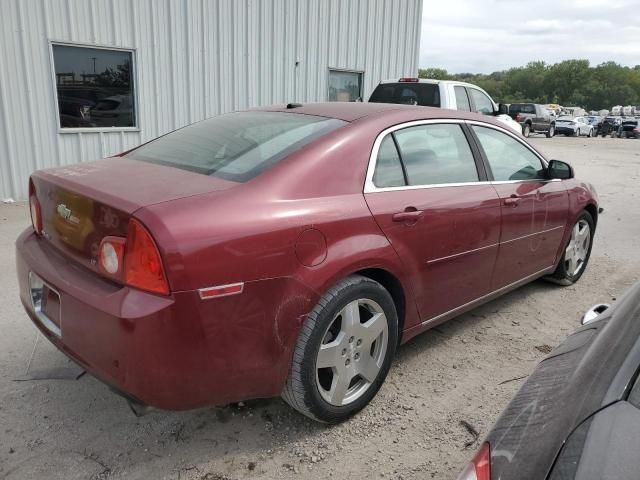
x: 442, y: 94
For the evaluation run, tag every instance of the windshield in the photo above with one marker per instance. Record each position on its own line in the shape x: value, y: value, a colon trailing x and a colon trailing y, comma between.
x: 236, y: 146
x: 425, y: 94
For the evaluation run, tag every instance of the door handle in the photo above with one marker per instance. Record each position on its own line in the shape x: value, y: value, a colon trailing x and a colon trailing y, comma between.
x: 512, y: 201
x: 409, y: 215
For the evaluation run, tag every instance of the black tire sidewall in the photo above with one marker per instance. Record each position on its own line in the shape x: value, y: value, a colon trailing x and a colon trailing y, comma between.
x: 561, y: 271
x: 318, y: 406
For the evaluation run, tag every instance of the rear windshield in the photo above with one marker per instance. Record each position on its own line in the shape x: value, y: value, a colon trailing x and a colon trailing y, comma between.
x: 522, y: 108
x: 236, y: 146
x: 425, y: 94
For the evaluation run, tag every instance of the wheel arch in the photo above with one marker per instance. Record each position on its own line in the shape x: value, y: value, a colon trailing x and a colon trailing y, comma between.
x: 392, y: 284
x: 593, y: 211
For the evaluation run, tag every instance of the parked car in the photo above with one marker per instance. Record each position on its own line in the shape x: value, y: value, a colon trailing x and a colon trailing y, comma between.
x: 610, y: 126
x: 442, y: 94
x: 289, y: 250
x: 576, y: 126
x: 596, y: 122
x: 628, y: 128
x: 533, y: 118
x: 577, y: 417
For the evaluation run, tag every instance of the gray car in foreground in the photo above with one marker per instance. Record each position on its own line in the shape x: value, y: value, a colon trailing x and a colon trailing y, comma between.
x: 577, y: 417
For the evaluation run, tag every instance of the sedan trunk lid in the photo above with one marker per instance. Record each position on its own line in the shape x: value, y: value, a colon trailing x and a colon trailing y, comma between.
x: 81, y: 204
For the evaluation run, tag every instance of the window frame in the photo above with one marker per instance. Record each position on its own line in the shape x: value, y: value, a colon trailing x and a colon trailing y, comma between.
x: 484, y: 171
x: 134, y: 89
x: 345, y: 70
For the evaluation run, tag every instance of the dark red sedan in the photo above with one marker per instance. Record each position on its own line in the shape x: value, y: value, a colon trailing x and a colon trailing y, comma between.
x: 290, y: 250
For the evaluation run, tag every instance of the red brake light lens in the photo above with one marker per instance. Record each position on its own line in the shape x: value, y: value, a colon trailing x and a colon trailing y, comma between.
x: 143, y: 264
x: 408, y: 79
x: 36, y: 210
x: 479, y: 468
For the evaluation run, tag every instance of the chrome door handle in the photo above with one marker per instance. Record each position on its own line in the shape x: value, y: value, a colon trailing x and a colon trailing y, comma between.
x: 407, y: 216
x: 512, y: 201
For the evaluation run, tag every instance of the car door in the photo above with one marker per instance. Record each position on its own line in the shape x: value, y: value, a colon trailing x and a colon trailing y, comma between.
x: 429, y: 195
x: 541, y: 123
x: 534, y: 208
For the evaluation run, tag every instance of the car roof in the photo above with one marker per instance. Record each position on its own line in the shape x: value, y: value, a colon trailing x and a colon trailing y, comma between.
x: 432, y: 81
x: 352, y: 111
x: 347, y: 111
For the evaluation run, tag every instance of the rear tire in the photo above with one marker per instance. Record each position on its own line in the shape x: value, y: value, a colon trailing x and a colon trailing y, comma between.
x: 577, y: 252
x: 344, y: 351
x: 526, y: 130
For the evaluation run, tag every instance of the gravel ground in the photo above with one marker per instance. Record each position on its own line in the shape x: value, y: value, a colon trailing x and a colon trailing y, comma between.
x: 443, y: 385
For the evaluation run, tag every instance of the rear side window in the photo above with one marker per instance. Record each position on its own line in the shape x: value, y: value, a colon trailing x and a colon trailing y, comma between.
x: 425, y: 94
x: 236, y: 146
x: 388, y: 171
x: 462, y: 100
x: 436, y: 154
x: 509, y: 159
x: 482, y: 103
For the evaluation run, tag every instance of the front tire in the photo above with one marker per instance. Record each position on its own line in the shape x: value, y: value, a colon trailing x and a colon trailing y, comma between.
x: 344, y: 351
x: 577, y: 251
x: 551, y: 132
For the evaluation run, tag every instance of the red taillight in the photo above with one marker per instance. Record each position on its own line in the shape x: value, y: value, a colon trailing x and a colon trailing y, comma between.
x: 36, y: 211
x: 480, y: 466
x: 408, y: 79
x: 518, y: 118
x: 142, y: 262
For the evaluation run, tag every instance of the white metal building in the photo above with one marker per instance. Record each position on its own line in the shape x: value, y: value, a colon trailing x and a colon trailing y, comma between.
x: 83, y: 79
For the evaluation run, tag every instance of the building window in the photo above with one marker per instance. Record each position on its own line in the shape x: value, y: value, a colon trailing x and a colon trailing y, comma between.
x: 94, y: 87
x: 345, y: 86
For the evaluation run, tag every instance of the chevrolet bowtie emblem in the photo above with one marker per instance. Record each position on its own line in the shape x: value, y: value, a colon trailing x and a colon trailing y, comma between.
x: 63, y: 211
x: 66, y: 213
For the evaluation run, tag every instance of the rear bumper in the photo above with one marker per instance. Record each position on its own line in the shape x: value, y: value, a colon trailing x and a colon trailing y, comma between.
x: 174, y: 352
x: 565, y: 130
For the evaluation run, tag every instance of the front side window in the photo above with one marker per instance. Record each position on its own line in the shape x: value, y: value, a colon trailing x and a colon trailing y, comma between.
x: 436, y: 154
x: 462, y: 100
x: 94, y: 86
x: 508, y: 158
x: 483, y: 104
x: 345, y: 86
x: 236, y: 146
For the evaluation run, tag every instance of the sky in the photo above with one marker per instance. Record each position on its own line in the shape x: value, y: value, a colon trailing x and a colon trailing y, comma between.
x: 483, y: 36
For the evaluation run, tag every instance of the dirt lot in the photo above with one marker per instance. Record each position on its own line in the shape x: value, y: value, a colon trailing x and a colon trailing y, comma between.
x: 462, y: 371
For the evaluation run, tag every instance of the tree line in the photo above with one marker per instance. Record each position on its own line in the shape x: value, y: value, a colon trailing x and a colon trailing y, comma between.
x: 568, y: 83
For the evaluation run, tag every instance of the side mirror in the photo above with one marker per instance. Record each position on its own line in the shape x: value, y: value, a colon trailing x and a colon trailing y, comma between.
x: 503, y: 109
x: 594, y: 312
x: 559, y: 169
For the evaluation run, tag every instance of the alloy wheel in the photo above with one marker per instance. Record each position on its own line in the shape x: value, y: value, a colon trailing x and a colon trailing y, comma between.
x: 577, y: 251
x: 352, y: 352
